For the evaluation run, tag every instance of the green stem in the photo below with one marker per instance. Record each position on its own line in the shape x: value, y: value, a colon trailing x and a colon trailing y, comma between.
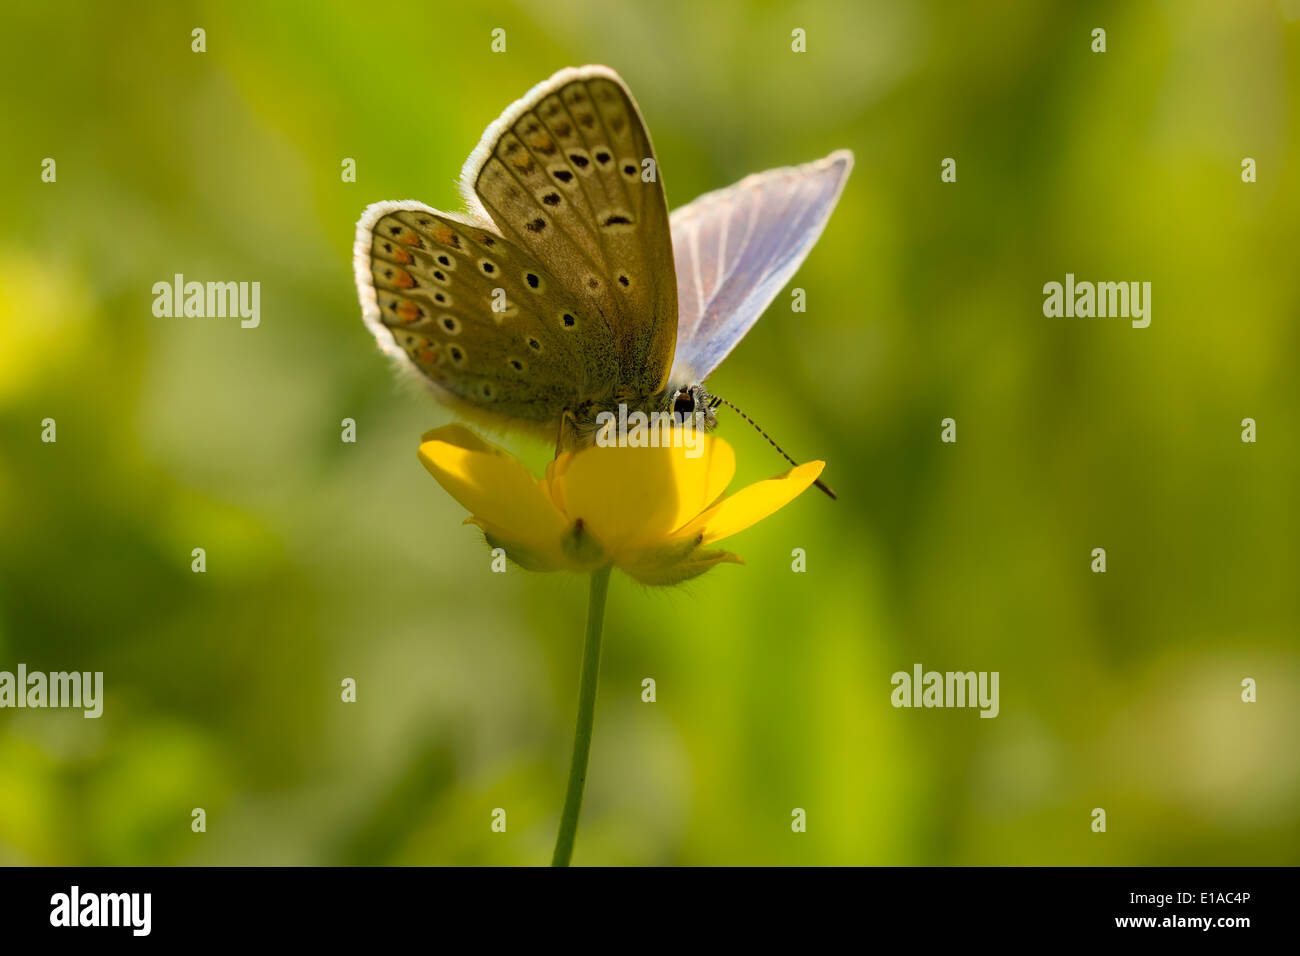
x: 586, y: 714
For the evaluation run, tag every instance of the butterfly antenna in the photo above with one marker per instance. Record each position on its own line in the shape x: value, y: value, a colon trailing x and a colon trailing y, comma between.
x: 719, y: 400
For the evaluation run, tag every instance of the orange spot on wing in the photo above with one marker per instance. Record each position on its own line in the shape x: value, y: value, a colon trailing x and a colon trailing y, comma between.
x: 404, y: 280
x: 408, y: 311
x: 402, y: 256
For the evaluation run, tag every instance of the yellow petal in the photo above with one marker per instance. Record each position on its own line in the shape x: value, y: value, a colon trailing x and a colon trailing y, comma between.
x: 527, y: 556
x: 719, y: 474
x: 752, y: 504
x: 461, y: 436
x: 553, y: 483
x: 632, y: 497
x: 558, y: 465
x: 496, y: 488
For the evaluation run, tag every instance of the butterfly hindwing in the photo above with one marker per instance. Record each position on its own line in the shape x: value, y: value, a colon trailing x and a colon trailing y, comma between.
x: 479, y: 318
x: 737, y: 248
x: 569, y: 175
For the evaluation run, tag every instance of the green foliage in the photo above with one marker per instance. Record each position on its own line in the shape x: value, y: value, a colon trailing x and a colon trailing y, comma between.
x: 328, y: 560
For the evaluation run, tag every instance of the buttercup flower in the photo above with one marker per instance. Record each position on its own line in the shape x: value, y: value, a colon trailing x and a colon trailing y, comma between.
x: 650, y: 511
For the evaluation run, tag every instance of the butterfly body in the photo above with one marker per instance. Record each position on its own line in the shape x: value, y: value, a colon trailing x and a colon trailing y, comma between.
x: 567, y: 290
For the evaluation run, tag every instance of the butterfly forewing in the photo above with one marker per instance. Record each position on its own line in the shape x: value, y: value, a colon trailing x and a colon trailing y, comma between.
x: 737, y: 247
x: 569, y: 175
x: 479, y: 317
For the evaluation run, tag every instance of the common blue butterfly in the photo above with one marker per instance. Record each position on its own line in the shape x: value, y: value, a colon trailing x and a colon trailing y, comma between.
x: 567, y: 289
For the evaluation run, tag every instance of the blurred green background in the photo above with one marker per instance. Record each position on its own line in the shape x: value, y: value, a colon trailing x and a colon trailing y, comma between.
x: 329, y: 560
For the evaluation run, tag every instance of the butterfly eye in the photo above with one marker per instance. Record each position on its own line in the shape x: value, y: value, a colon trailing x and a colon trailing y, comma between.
x: 684, y: 403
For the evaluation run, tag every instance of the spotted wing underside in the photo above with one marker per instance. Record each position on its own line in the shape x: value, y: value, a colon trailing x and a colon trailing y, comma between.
x: 568, y: 174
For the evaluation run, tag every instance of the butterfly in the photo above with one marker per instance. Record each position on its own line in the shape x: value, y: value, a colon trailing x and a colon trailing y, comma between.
x: 567, y: 289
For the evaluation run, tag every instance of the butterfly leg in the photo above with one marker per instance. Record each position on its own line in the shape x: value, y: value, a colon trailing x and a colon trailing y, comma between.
x: 567, y: 437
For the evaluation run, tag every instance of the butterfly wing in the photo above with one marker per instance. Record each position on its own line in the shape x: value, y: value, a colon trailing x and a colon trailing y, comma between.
x: 494, y: 333
x: 737, y: 248
x: 568, y: 174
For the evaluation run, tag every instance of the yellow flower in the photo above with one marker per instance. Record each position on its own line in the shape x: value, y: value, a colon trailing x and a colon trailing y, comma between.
x: 649, y: 511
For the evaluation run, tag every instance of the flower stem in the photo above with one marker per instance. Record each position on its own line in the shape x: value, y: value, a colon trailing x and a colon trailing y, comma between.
x: 586, y: 714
